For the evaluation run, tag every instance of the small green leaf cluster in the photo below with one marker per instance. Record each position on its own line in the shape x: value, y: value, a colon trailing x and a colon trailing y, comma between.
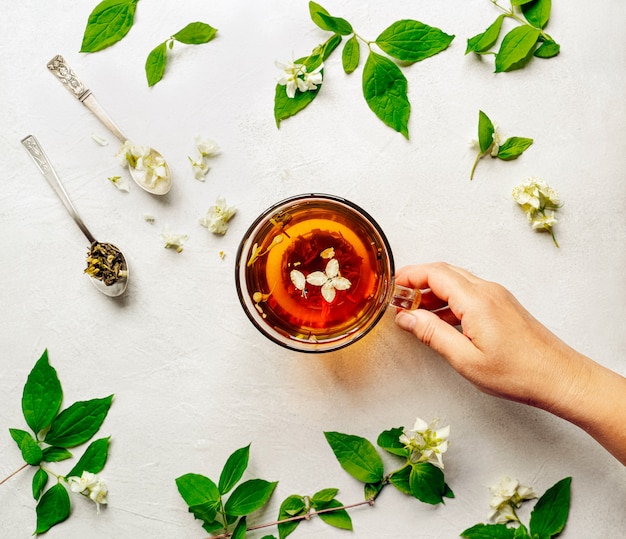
x: 207, y: 501
x: 111, y: 20
x: 54, y: 431
x: 510, y: 149
x: 384, y: 85
x: 358, y: 456
x: 522, y: 43
x: 194, y: 33
x: 547, y: 519
x: 325, y: 504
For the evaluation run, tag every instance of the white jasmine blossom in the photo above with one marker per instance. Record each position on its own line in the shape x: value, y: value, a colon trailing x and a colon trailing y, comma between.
x: 99, y: 140
x: 290, y: 77
x: 426, y: 442
x: 121, y: 183
x: 312, y: 80
x: 140, y: 158
x: 200, y: 169
x: 505, y: 498
x: 173, y: 241
x: 207, y: 147
x: 90, y: 485
x: 216, y: 219
x: 538, y: 201
x: 330, y: 280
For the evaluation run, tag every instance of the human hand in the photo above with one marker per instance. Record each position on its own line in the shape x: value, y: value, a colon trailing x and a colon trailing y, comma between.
x: 501, y: 349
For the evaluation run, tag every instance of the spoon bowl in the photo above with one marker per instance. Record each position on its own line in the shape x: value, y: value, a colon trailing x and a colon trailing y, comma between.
x: 108, y: 269
x: 59, y: 67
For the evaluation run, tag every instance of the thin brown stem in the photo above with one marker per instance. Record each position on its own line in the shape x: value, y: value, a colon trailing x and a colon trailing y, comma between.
x: 306, y: 516
x: 14, y: 473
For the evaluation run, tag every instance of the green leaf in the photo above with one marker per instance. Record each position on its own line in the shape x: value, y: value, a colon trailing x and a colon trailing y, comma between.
x: 485, y: 132
x: 483, y: 42
x: 489, y: 531
x: 389, y: 440
x: 55, y: 454
x: 385, y: 89
x: 513, y: 147
x: 240, y: 529
x: 357, y: 456
x: 78, y: 423
x: 351, y: 55
x: 40, y: 479
x: 548, y: 49
x: 400, y: 480
x: 338, y: 519
x: 326, y: 21
x: 53, y: 507
x: 292, y: 506
x: 213, y: 527
x: 42, y: 395
x: 155, y: 64
x: 371, y: 490
x: 31, y: 452
x: 195, y: 33
x: 249, y: 496
x: 521, y: 532
x: 519, y: 2
x: 235, y: 465
x: 285, y: 106
x: 324, y: 496
x: 412, y: 41
x: 516, y: 48
x: 537, y: 12
x: 447, y: 492
x: 206, y: 512
x: 550, y: 513
x: 427, y: 483
x: 108, y: 23
x: 197, y: 489
x: 93, y: 460
x: 330, y: 46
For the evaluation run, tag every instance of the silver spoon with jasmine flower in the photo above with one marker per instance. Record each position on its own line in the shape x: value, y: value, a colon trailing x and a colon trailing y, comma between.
x: 147, y: 167
x: 106, y: 264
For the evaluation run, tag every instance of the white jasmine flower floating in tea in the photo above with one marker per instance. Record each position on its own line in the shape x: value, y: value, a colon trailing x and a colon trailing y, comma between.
x: 539, y: 202
x: 173, y: 241
x: 151, y: 167
x: 216, y: 219
x: 426, y: 442
x: 91, y: 486
x: 505, y: 498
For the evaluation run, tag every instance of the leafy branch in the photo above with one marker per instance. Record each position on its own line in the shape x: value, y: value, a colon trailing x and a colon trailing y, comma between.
x: 547, y: 519
x: 54, y: 432
x: 522, y: 43
x: 384, y: 85
x: 111, y: 20
x: 226, y: 517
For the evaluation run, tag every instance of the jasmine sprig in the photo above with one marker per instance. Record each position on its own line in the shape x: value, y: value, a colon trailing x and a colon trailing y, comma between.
x: 384, y: 84
x: 420, y: 475
x: 519, y: 45
x: 547, y: 519
x: 54, y: 432
x: 490, y: 143
x: 195, y: 33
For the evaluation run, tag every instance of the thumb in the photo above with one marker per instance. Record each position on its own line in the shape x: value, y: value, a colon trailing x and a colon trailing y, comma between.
x: 434, y: 332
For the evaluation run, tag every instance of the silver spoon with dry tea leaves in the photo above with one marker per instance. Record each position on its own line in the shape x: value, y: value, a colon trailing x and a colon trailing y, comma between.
x: 106, y: 264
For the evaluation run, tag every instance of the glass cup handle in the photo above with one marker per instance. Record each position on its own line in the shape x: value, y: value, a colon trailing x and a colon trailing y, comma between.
x: 406, y: 298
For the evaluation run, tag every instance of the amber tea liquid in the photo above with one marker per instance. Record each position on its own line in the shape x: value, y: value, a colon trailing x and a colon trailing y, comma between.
x: 316, y: 271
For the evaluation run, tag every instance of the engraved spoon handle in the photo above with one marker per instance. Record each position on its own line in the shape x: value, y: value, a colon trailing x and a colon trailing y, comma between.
x: 60, y: 68
x: 35, y: 150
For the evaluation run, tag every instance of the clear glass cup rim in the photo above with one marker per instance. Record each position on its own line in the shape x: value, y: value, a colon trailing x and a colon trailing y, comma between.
x: 301, y: 345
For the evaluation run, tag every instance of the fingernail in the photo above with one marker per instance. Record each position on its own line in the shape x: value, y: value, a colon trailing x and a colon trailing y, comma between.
x: 405, y: 321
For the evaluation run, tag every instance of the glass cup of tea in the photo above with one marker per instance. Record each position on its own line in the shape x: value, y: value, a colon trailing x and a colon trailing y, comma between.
x: 315, y: 273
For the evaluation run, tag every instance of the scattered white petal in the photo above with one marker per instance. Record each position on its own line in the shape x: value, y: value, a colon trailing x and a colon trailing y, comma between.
x: 100, y: 140
x: 121, y: 183
x: 298, y: 279
x: 216, y: 219
x: 173, y: 241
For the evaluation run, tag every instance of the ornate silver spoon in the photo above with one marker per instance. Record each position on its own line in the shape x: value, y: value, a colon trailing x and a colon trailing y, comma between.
x: 107, y: 265
x: 160, y: 185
